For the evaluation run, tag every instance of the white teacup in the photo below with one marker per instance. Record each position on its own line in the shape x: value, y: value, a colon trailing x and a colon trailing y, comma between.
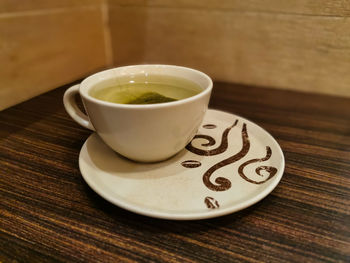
x: 145, y: 133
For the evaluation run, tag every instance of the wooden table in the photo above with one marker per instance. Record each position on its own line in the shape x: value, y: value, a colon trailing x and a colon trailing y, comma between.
x: 48, y: 213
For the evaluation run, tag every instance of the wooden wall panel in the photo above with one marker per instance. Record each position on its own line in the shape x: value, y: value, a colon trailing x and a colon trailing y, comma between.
x: 42, y: 50
x: 301, y: 7
x: 274, y: 43
x: 302, y: 44
x: 7, y: 6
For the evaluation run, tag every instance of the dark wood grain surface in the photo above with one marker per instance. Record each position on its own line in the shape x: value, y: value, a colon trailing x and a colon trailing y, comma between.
x: 48, y: 213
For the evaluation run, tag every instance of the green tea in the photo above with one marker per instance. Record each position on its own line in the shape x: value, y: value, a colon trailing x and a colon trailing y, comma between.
x: 146, y: 89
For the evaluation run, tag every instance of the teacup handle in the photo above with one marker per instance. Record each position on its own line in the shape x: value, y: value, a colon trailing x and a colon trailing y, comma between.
x: 73, y: 109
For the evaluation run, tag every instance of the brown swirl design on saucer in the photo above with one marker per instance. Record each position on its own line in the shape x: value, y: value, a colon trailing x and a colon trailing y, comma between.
x: 211, y: 202
x: 269, y: 169
x: 223, y: 184
x: 211, y: 141
x: 191, y: 164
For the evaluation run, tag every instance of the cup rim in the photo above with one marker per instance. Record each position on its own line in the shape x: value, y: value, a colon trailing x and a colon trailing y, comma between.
x: 84, y: 91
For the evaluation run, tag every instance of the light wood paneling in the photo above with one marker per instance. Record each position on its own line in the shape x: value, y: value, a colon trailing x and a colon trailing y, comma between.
x: 302, y: 44
x: 307, y: 52
x: 41, y: 52
x: 305, y: 7
x: 7, y: 6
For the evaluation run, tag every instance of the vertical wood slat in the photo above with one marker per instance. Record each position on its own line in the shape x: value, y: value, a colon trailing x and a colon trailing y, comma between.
x: 42, y: 49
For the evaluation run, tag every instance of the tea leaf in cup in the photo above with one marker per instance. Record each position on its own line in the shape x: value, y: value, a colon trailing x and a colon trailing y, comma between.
x: 150, y: 98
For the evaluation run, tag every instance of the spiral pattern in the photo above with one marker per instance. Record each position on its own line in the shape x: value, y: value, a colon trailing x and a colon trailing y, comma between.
x: 269, y: 169
x: 211, y: 141
x: 221, y: 183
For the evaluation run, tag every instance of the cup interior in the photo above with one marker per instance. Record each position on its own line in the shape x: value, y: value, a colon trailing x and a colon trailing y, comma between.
x: 115, y: 76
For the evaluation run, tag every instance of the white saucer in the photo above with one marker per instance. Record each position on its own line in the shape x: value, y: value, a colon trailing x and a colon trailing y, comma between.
x: 207, y: 179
